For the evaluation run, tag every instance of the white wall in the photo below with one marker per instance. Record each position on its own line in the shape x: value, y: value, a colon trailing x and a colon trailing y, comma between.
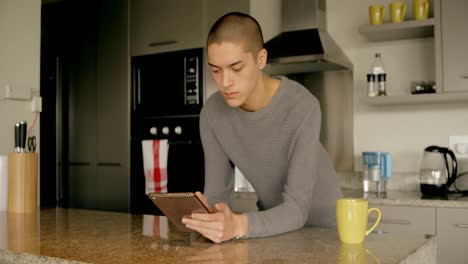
x: 20, y: 27
x: 404, y: 131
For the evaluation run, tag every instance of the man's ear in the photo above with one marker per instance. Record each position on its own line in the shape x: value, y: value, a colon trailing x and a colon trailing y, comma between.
x: 262, y: 58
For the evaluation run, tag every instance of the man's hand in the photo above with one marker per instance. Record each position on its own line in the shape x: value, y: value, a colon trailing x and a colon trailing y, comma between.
x: 220, y: 225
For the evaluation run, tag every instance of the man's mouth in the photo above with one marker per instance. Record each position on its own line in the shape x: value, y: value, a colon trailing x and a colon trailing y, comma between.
x: 230, y: 95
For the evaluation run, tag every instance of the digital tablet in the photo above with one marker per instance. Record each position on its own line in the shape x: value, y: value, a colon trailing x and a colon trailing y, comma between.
x: 175, y: 206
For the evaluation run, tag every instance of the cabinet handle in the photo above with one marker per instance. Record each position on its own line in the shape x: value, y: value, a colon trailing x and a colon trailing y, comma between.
x: 391, y: 221
x: 110, y: 164
x: 461, y: 225
x: 139, y: 85
x: 77, y: 163
x: 134, y: 87
x: 162, y: 43
x: 465, y: 76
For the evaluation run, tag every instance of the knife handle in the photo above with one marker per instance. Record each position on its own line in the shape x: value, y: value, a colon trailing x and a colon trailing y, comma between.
x: 23, y: 129
x: 17, y: 137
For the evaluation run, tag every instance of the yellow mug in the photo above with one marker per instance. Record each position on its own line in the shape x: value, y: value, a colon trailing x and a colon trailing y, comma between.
x: 351, y: 219
x: 397, y: 12
x: 376, y: 14
x: 420, y: 9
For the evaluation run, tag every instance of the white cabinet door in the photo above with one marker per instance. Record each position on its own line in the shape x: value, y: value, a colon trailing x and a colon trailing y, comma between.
x: 165, y: 25
x: 407, y: 219
x: 454, y: 20
x: 452, y: 235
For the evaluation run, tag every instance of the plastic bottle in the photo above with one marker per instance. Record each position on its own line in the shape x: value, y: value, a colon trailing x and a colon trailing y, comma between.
x: 377, y: 65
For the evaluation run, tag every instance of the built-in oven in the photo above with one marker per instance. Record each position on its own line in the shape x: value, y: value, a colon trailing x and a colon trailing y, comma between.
x: 168, y: 84
x: 167, y: 96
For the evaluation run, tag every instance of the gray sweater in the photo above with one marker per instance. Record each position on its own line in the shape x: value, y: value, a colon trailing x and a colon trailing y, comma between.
x: 277, y: 149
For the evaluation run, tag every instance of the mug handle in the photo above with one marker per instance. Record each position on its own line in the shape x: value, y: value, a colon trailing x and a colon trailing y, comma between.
x: 376, y: 221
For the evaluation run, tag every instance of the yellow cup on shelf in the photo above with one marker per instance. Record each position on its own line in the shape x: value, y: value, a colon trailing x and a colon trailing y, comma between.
x: 420, y: 9
x: 376, y: 14
x: 397, y: 12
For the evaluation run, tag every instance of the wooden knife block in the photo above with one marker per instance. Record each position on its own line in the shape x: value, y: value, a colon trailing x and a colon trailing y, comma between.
x: 22, y: 182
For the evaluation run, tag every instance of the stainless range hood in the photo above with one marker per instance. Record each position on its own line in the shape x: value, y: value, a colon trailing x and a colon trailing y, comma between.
x: 304, y: 45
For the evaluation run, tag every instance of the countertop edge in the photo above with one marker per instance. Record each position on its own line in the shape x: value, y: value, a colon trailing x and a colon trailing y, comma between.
x: 7, y: 256
x: 426, y: 253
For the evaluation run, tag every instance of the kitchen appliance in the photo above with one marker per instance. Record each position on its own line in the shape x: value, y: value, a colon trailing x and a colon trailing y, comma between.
x: 304, y: 45
x: 377, y: 169
x: 436, y: 175
x: 167, y: 96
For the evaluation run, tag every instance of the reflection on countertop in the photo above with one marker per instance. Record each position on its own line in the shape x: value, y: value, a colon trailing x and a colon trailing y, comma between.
x: 106, y: 237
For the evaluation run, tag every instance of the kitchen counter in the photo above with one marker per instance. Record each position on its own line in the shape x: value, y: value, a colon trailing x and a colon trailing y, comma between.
x: 68, y: 235
x: 411, y: 199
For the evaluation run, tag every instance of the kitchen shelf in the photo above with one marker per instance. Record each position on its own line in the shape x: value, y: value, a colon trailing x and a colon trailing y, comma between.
x: 396, y: 31
x: 458, y: 97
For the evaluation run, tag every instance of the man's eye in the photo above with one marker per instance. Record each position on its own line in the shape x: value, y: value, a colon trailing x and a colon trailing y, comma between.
x: 215, y: 70
x: 237, y: 69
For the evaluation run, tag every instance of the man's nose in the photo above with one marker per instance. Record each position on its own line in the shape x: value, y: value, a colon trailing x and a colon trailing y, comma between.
x: 226, y: 79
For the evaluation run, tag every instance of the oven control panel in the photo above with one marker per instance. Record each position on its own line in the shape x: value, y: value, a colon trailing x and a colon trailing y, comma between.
x: 191, y: 89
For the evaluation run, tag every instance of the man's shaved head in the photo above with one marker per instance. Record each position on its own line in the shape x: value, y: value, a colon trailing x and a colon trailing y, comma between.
x: 239, y: 28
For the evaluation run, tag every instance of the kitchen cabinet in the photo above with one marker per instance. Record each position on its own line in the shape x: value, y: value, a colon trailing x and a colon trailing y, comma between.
x: 417, y: 99
x: 165, y: 25
x: 454, y: 44
x: 406, y: 219
x: 397, y: 31
x: 99, y: 111
x: 452, y: 235
x: 446, y: 27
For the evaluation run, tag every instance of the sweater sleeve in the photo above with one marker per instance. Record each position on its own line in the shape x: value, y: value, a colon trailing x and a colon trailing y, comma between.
x: 219, y: 173
x: 292, y: 213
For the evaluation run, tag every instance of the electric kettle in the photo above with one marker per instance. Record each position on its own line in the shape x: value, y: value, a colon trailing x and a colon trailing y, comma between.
x: 436, y: 175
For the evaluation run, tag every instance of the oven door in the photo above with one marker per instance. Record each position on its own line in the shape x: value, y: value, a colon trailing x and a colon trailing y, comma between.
x: 185, y: 162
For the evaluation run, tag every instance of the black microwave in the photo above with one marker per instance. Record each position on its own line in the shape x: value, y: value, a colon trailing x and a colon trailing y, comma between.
x: 168, y: 84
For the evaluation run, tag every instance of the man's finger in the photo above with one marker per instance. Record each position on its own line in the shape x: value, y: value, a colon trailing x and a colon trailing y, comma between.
x: 204, y: 224
x: 203, y: 199
x: 207, y: 217
x: 212, y: 235
x: 221, y: 207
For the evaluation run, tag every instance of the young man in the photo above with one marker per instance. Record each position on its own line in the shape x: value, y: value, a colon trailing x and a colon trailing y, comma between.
x: 269, y: 128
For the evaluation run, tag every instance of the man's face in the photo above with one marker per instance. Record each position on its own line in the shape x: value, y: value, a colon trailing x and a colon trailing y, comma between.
x: 235, y: 71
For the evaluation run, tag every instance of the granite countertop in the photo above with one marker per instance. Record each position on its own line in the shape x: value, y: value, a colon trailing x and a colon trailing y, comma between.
x: 68, y: 235
x: 408, y: 198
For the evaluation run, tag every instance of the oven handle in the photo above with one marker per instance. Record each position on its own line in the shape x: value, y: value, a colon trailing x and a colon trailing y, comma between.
x: 108, y: 164
x: 162, y: 43
x: 182, y: 142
